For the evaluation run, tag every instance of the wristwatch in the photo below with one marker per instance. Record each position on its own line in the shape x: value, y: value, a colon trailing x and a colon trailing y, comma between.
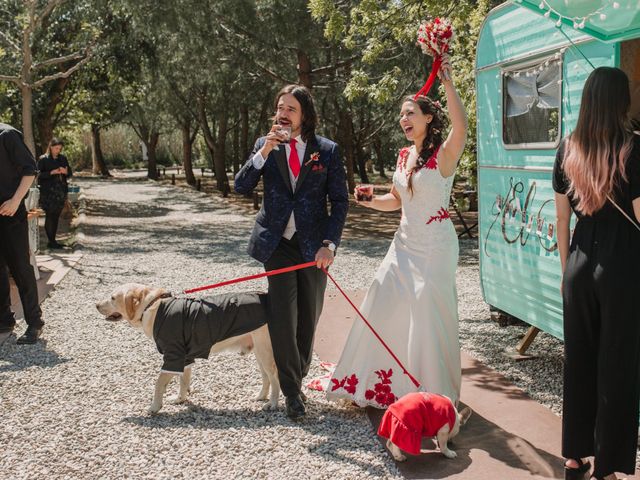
x: 330, y: 245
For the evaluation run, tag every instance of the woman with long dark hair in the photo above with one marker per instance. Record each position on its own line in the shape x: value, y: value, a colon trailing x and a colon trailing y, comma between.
x: 412, y: 302
x: 54, y: 170
x: 597, y: 177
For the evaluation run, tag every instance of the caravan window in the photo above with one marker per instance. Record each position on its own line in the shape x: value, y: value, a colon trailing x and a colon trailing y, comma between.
x: 531, y: 102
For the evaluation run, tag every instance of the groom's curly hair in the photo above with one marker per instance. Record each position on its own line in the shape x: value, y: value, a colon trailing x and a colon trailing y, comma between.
x: 435, y: 131
x: 309, y: 115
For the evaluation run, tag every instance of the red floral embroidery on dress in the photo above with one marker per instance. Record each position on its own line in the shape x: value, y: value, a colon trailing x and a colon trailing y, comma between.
x: 382, y: 390
x: 348, y: 383
x: 432, y: 163
x: 441, y: 216
x: 403, y: 156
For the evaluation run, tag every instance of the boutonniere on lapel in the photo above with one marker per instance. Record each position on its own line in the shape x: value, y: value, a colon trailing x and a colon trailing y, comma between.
x: 314, y: 161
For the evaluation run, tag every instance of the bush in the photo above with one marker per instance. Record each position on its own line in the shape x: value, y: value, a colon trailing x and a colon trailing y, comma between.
x: 121, y: 148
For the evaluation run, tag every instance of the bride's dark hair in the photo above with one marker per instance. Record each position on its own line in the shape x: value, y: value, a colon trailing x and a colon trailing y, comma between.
x: 435, y: 132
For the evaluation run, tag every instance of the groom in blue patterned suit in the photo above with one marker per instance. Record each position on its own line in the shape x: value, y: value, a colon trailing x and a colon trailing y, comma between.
x: 293, y: 227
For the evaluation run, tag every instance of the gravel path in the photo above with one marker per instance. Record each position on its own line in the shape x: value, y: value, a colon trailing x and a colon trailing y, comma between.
x: 75, y: 405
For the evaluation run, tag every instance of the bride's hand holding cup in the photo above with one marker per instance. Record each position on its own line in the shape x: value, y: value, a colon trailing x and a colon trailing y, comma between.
x: 364, y: 195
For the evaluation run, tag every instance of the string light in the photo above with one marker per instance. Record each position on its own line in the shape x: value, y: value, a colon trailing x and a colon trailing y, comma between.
x: 579, y: 22
x: 535, y: 70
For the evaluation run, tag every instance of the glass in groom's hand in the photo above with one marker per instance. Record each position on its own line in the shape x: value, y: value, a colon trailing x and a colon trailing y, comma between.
x: 284, y: 133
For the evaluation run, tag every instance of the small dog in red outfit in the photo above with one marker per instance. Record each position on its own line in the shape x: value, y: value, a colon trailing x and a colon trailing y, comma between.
x: 418, y: 415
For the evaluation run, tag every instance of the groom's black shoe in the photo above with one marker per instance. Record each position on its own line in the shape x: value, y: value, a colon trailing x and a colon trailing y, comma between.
x: 295, y: 407
x: 30, y: 336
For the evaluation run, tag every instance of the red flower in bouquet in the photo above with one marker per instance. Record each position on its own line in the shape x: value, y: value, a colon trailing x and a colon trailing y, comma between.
x: 434, y: 38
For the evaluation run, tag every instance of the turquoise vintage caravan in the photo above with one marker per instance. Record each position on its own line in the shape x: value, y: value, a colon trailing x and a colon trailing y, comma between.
x: 532, y: 61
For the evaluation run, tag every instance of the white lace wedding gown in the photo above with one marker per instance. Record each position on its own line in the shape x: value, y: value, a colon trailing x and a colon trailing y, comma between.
x: 412, y: 303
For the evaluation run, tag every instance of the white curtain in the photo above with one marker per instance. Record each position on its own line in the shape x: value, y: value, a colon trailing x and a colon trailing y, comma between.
x: 533, y: 88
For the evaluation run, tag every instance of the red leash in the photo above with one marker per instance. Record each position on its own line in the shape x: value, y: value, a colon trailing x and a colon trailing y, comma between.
x: 300, y: 267
x: 406, y: 372
x: 252, y: 277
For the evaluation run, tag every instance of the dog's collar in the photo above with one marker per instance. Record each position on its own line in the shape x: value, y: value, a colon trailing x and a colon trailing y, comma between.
x: 164, y: 295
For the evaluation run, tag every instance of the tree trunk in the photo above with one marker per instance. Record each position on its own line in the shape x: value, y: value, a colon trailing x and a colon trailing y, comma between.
x: 236, y: 146
x: 47, y: 121
x: 222, y: 182
x: 209, y: 140
x: 97, y: 158
x: 34, y: 22
x: 244, y: 135
x: 152, y: 169
x: 377, y: 146
x: 362, y: 167
x: 187, y: 152
x: 262, y: 118
x: 45, y: 134
x: 27, y: 118
x: 304, y: 69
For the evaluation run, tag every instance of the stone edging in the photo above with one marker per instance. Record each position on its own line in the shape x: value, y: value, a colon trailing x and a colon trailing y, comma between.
x: 79, y: 221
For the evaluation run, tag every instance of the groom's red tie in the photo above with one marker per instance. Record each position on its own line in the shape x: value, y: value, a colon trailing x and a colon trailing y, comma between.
x: 294, y: 160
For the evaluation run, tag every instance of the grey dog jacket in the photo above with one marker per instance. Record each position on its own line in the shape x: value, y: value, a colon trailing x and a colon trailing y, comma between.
x: 186, y: 328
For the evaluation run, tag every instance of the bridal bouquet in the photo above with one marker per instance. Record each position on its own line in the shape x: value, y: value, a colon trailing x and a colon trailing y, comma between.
x: 434, y: 38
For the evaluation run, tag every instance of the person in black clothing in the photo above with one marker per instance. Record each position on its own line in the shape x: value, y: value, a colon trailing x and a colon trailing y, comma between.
x: 54, y: 171
x: 17, y: 172
x: 597, y: 176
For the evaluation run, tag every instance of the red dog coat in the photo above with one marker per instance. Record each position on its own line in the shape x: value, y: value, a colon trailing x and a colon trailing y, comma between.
x: 414, y: 416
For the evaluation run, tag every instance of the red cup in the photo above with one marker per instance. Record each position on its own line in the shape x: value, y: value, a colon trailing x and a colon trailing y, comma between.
x: 364, y: 193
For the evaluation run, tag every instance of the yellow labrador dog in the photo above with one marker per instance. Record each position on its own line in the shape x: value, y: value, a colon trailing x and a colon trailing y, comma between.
x: 185, y: 329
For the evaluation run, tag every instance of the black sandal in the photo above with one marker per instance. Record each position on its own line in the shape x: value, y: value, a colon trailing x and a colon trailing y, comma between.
x: 581, y: 472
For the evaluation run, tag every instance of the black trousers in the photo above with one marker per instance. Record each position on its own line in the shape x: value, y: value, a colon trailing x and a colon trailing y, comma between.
x: 295, y: 304
x: 602, y: 347
x: 14, y: 258
x: 51, y: 224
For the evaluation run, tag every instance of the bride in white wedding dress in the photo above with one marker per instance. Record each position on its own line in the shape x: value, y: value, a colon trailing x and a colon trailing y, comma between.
x: 412, y: 302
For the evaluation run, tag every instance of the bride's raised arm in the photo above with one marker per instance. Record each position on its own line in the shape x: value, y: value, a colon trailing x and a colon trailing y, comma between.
x: 453, y: 146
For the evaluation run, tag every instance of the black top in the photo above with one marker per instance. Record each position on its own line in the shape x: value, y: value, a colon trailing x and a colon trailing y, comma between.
x: 46, y: 163
x: 16, y: 161
x: 623, y: 195
x: 186, y: 329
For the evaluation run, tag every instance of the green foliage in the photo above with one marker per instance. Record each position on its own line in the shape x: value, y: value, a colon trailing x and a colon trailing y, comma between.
x: 59, y: 38
x: 384, y: 33
x: 161, y: 64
